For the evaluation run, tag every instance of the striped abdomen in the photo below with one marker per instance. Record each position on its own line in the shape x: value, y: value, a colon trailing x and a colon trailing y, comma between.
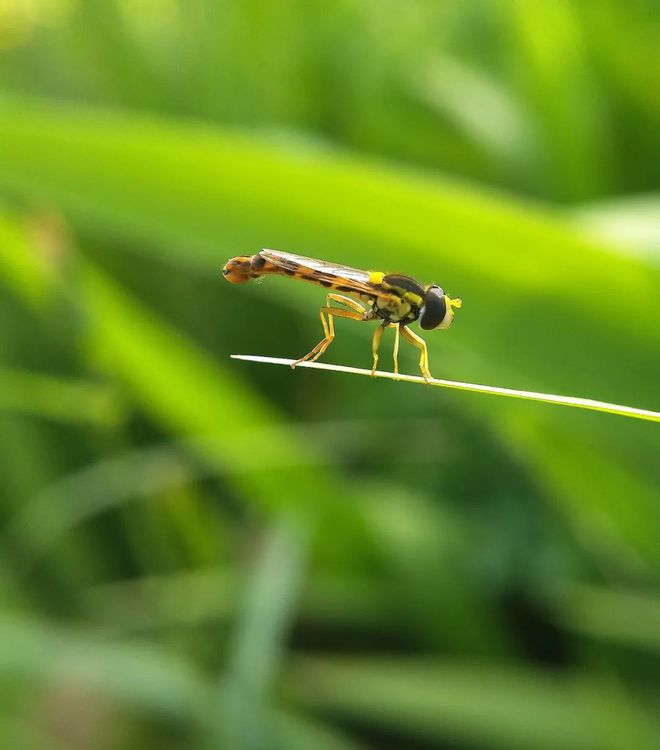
x: 245, y: 267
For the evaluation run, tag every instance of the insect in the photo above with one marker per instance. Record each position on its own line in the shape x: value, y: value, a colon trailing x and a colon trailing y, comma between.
x: 392, y: 299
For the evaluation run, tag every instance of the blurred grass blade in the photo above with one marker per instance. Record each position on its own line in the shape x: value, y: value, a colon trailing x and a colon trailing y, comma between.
x: 259, y: 636
x: 215, y: 412
x: 20, y: 266
x: 59, y: 399
x: 628, y: 617
x: 427, y: 550
x: 549, y: 44
x: 606, y: 501
x: 507, y: 706
x: 182, y: 387
x: 548, y: 398
x: 463, y: 92
x: 270, y: 597
x: 135, y: 674
x: 292, y: 732
x: 80, y: 496
x: 632, y: 223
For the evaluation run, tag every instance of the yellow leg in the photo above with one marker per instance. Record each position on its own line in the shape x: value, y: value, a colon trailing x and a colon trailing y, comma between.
x: 329, y: 329
x: 375, y: 345
x: 351, y: 303
x: 342, y: 300
x: 418, y: 342
x: 397, y: 332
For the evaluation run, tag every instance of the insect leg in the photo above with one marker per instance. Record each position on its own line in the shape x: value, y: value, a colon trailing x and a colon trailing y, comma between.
x: 342, y: 300
x: 328, y: 335
x: 418, y: 342
x: 378, y: 335
x: 397, y: 331
x: 329, y: 331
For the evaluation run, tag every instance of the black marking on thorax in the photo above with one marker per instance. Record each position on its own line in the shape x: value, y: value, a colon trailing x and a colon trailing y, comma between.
x: 404, y: 283
x: 403, y: 301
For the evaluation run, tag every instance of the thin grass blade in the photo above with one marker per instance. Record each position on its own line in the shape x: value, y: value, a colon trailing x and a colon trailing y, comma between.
x: 548, y: 398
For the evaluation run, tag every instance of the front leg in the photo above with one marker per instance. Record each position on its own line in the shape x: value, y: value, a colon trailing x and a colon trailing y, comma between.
x: 419, y: 343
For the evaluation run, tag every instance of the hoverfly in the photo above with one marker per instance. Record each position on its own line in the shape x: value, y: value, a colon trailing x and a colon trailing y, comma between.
x: 392, y: 299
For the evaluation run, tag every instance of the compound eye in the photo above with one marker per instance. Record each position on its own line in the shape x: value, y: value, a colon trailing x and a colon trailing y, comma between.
x: 434, y: 309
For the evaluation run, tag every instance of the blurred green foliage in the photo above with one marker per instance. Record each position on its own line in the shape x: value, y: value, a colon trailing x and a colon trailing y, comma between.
x: 201, y: 553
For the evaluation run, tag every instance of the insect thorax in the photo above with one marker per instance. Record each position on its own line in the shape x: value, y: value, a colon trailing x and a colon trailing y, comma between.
x: 404, y: 301
x: 393, y: 309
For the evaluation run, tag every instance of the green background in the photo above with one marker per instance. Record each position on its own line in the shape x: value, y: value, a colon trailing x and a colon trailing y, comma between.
x: 203, y: 553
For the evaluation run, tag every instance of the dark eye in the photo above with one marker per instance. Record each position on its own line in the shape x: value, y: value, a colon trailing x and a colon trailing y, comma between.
x: 434, y: 309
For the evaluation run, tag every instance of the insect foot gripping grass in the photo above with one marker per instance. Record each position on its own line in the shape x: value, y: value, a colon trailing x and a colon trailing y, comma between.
x: 390, y: 299
x: 549, y: 398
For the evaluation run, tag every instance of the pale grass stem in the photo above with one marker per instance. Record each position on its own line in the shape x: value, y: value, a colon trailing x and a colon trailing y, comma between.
x: 549, y: 398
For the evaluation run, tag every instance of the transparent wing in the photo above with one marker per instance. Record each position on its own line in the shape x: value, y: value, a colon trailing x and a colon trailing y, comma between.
x: 322, y: 270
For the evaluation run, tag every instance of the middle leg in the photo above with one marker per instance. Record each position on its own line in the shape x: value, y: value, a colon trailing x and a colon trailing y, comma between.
x: 375, y: 346
x: 397, y: 331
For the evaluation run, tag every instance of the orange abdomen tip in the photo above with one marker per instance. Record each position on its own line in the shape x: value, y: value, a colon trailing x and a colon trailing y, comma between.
x: 238, y: 270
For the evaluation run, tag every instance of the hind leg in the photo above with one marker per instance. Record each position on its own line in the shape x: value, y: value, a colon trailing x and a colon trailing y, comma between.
x: 328, y: 313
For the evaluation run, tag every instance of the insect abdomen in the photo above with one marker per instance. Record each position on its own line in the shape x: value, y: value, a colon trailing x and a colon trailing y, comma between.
x: 241, y: 269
